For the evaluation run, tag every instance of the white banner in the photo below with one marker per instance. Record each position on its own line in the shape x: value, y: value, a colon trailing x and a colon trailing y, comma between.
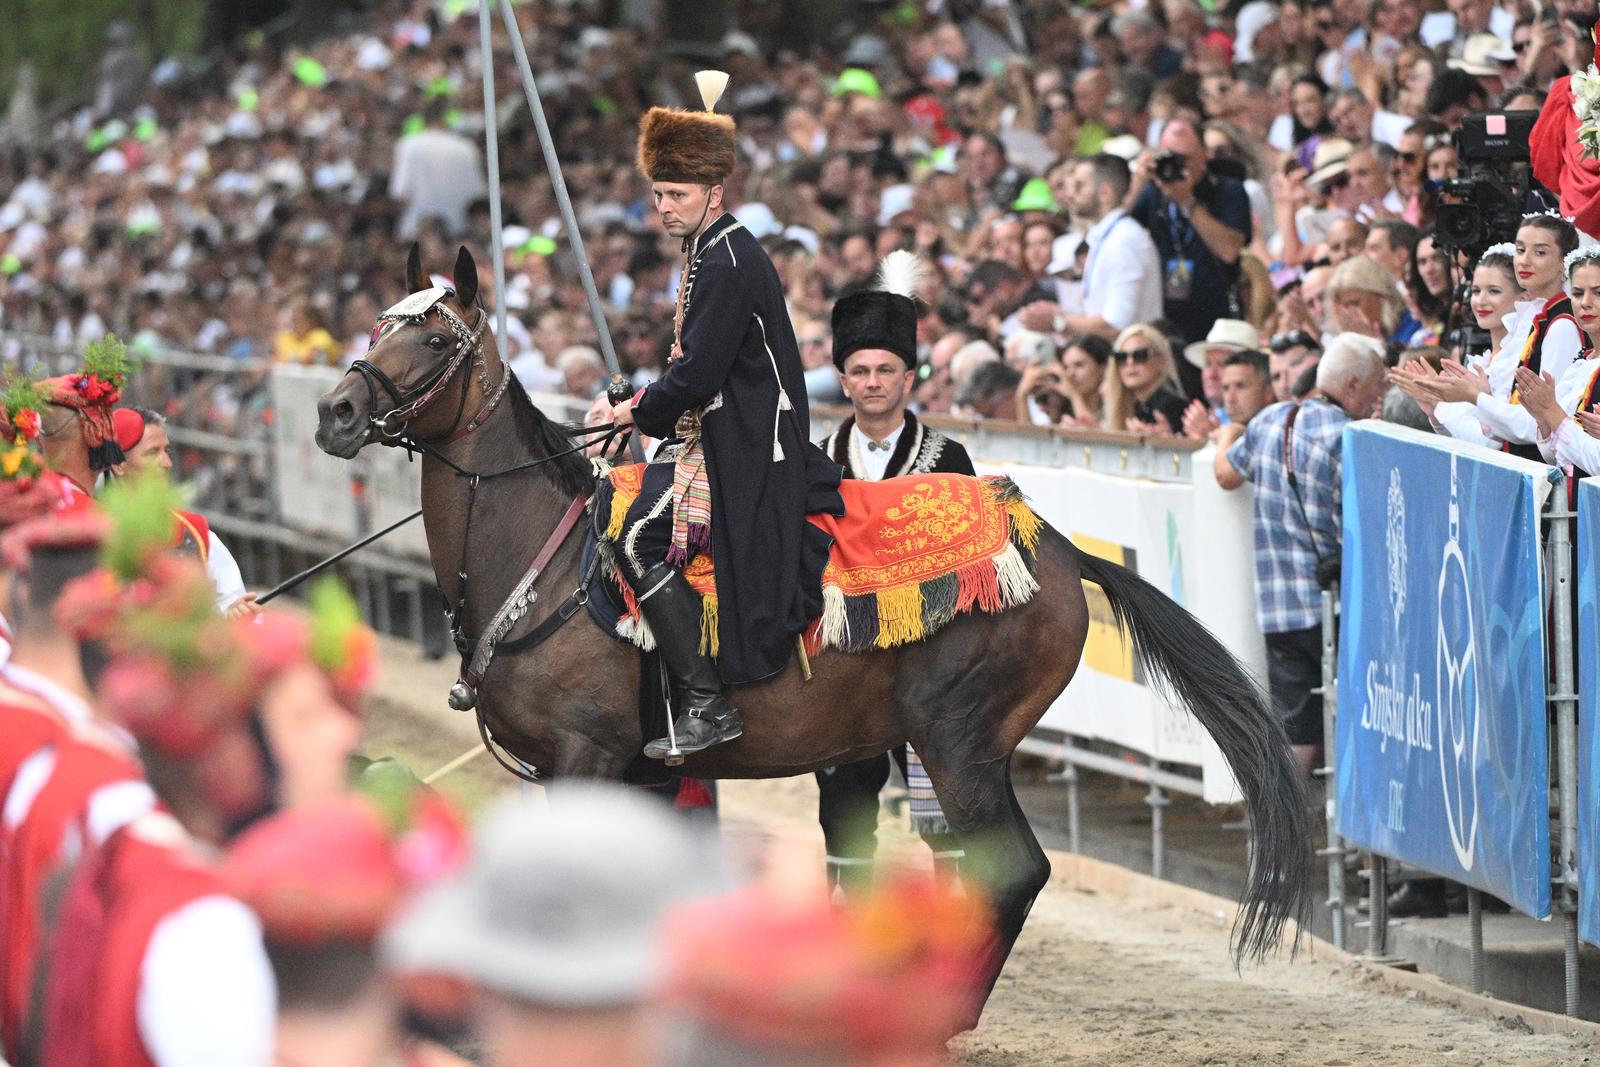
x: 314, y: 490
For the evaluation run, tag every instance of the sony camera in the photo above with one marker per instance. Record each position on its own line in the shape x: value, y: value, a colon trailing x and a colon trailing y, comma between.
x: 1169, y: 166
x: 1486, y: 204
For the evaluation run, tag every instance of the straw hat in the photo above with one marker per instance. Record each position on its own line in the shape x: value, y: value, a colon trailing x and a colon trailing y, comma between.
x: 1234, y: 335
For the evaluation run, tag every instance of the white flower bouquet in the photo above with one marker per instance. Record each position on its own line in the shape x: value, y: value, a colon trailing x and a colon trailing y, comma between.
x: 1586, y: 105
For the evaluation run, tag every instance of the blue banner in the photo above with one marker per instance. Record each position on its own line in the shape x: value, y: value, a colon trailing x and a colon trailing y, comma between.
x: 1443, y: 757
x: 1588, y: 712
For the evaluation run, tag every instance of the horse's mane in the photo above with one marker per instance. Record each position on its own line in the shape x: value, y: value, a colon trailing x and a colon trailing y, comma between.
x: 574, y: 473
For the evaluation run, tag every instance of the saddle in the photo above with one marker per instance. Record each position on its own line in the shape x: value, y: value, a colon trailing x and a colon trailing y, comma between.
x: 909, y: 554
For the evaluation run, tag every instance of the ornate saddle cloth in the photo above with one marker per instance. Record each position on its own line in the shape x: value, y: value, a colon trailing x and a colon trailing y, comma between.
x: 909, y: 555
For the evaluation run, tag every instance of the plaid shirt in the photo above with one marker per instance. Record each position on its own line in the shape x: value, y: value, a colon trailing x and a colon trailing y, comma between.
x: 1287, y: 596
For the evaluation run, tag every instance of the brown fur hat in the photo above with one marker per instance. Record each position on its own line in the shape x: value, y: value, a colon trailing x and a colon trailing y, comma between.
x: 686, y: 146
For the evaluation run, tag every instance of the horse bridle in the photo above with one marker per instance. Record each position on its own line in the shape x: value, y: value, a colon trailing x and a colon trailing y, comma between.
x: 393, y: 426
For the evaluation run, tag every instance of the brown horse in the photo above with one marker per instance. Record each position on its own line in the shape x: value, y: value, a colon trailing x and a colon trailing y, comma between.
x: 964, y: 697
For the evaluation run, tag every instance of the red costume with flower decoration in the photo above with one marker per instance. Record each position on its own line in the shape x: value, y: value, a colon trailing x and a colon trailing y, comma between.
x: 1558, y: 160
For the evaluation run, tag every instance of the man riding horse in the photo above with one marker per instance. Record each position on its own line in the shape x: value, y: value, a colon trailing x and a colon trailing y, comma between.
x: 737, y: 475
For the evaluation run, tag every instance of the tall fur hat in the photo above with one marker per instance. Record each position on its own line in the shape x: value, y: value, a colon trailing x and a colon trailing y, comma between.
x: 883, y: 318
x: 697, y: 147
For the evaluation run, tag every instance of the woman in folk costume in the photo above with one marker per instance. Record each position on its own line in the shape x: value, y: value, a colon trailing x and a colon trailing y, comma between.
x: 875, y: 351
x: 1569, y: 428
x: 152, y: 961
x: 1481, y: 402
x: 737, y: 475
x: 77, y: 436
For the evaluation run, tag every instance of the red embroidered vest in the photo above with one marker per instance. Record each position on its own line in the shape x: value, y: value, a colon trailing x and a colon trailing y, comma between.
x: 191, y: 534
x: 1555, y: 309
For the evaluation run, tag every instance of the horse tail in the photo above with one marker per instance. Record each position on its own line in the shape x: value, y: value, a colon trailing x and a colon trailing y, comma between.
x: 1177, y: 651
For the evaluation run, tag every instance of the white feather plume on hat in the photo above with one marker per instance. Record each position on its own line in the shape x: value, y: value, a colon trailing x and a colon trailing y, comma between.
x: 901, y: 273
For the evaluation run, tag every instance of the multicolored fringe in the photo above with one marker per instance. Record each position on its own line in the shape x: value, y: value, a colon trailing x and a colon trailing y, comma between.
x: 913, y: 612
x: 926, y: 815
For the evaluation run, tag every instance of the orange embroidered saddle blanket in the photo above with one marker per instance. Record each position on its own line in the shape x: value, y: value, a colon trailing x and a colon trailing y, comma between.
x: 909, y: 554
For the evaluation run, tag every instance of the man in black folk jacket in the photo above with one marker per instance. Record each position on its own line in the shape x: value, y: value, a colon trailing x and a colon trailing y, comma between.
x: 737, y: 475
x: 875, y: 350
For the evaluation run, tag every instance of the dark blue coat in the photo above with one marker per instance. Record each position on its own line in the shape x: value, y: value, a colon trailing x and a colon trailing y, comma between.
x: 738, y: 346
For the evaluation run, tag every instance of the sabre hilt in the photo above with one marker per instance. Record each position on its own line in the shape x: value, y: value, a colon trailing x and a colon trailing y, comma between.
x: 618, y: 390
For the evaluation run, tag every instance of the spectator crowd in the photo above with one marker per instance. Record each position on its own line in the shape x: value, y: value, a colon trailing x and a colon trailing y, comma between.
x: 1072, y: 172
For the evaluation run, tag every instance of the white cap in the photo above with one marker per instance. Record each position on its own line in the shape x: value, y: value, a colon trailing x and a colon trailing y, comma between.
x: 1064, y: 254
x: 758, y: 220
x: 895, y: 200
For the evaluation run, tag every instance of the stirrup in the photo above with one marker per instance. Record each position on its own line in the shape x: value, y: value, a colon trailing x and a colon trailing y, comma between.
x: 672, y: 749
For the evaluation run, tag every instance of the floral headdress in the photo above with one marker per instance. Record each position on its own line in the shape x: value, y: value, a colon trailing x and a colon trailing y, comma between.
x: 1579, y: 257
x: 186, y: 682
x: 92, y: 391
x: 1504, y: 248
x: 27, y: 490
x: 341, y: 644
x: 21, y: 400
x: 899, y: 969
x: 1550, y: 213
x: 339, y: 870
x: 135, y: 566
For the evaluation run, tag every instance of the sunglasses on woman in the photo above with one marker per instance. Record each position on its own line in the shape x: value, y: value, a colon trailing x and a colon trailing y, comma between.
x: 1282, y: 342
x: 1137, y: 355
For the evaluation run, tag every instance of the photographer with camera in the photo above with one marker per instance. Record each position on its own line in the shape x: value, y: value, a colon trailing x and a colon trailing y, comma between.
x: 1200, y: 223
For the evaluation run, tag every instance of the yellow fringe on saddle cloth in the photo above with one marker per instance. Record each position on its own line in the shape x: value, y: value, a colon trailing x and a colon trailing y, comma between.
x: 909, y: 555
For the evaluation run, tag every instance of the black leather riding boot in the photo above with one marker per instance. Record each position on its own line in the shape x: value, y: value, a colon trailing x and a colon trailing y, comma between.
x: 672, y: 609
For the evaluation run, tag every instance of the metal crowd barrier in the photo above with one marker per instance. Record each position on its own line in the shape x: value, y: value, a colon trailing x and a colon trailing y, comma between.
x: 1485, y: 738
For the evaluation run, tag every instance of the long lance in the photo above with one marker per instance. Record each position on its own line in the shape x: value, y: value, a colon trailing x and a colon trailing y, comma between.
x: 285, y: 586
x: 491, y: 144
x: 559, y: 183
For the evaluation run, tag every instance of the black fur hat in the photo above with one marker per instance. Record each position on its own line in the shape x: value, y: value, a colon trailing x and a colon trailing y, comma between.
x: 883, y: 318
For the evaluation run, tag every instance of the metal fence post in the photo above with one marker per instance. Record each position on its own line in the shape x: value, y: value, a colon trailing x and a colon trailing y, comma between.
x: 1475, y: 928
x: 1334, y: 849
x: 1069, y: 774
x: 1378, y: 908
x: 1565, y: 705
x: 1157, y: 799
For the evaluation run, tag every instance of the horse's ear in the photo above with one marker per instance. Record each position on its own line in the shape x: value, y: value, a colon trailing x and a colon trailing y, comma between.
x: 466, y: 278
x: 416, y: 281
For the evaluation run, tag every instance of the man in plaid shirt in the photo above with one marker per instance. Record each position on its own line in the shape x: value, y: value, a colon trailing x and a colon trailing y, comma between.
x: 1291, y: 452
